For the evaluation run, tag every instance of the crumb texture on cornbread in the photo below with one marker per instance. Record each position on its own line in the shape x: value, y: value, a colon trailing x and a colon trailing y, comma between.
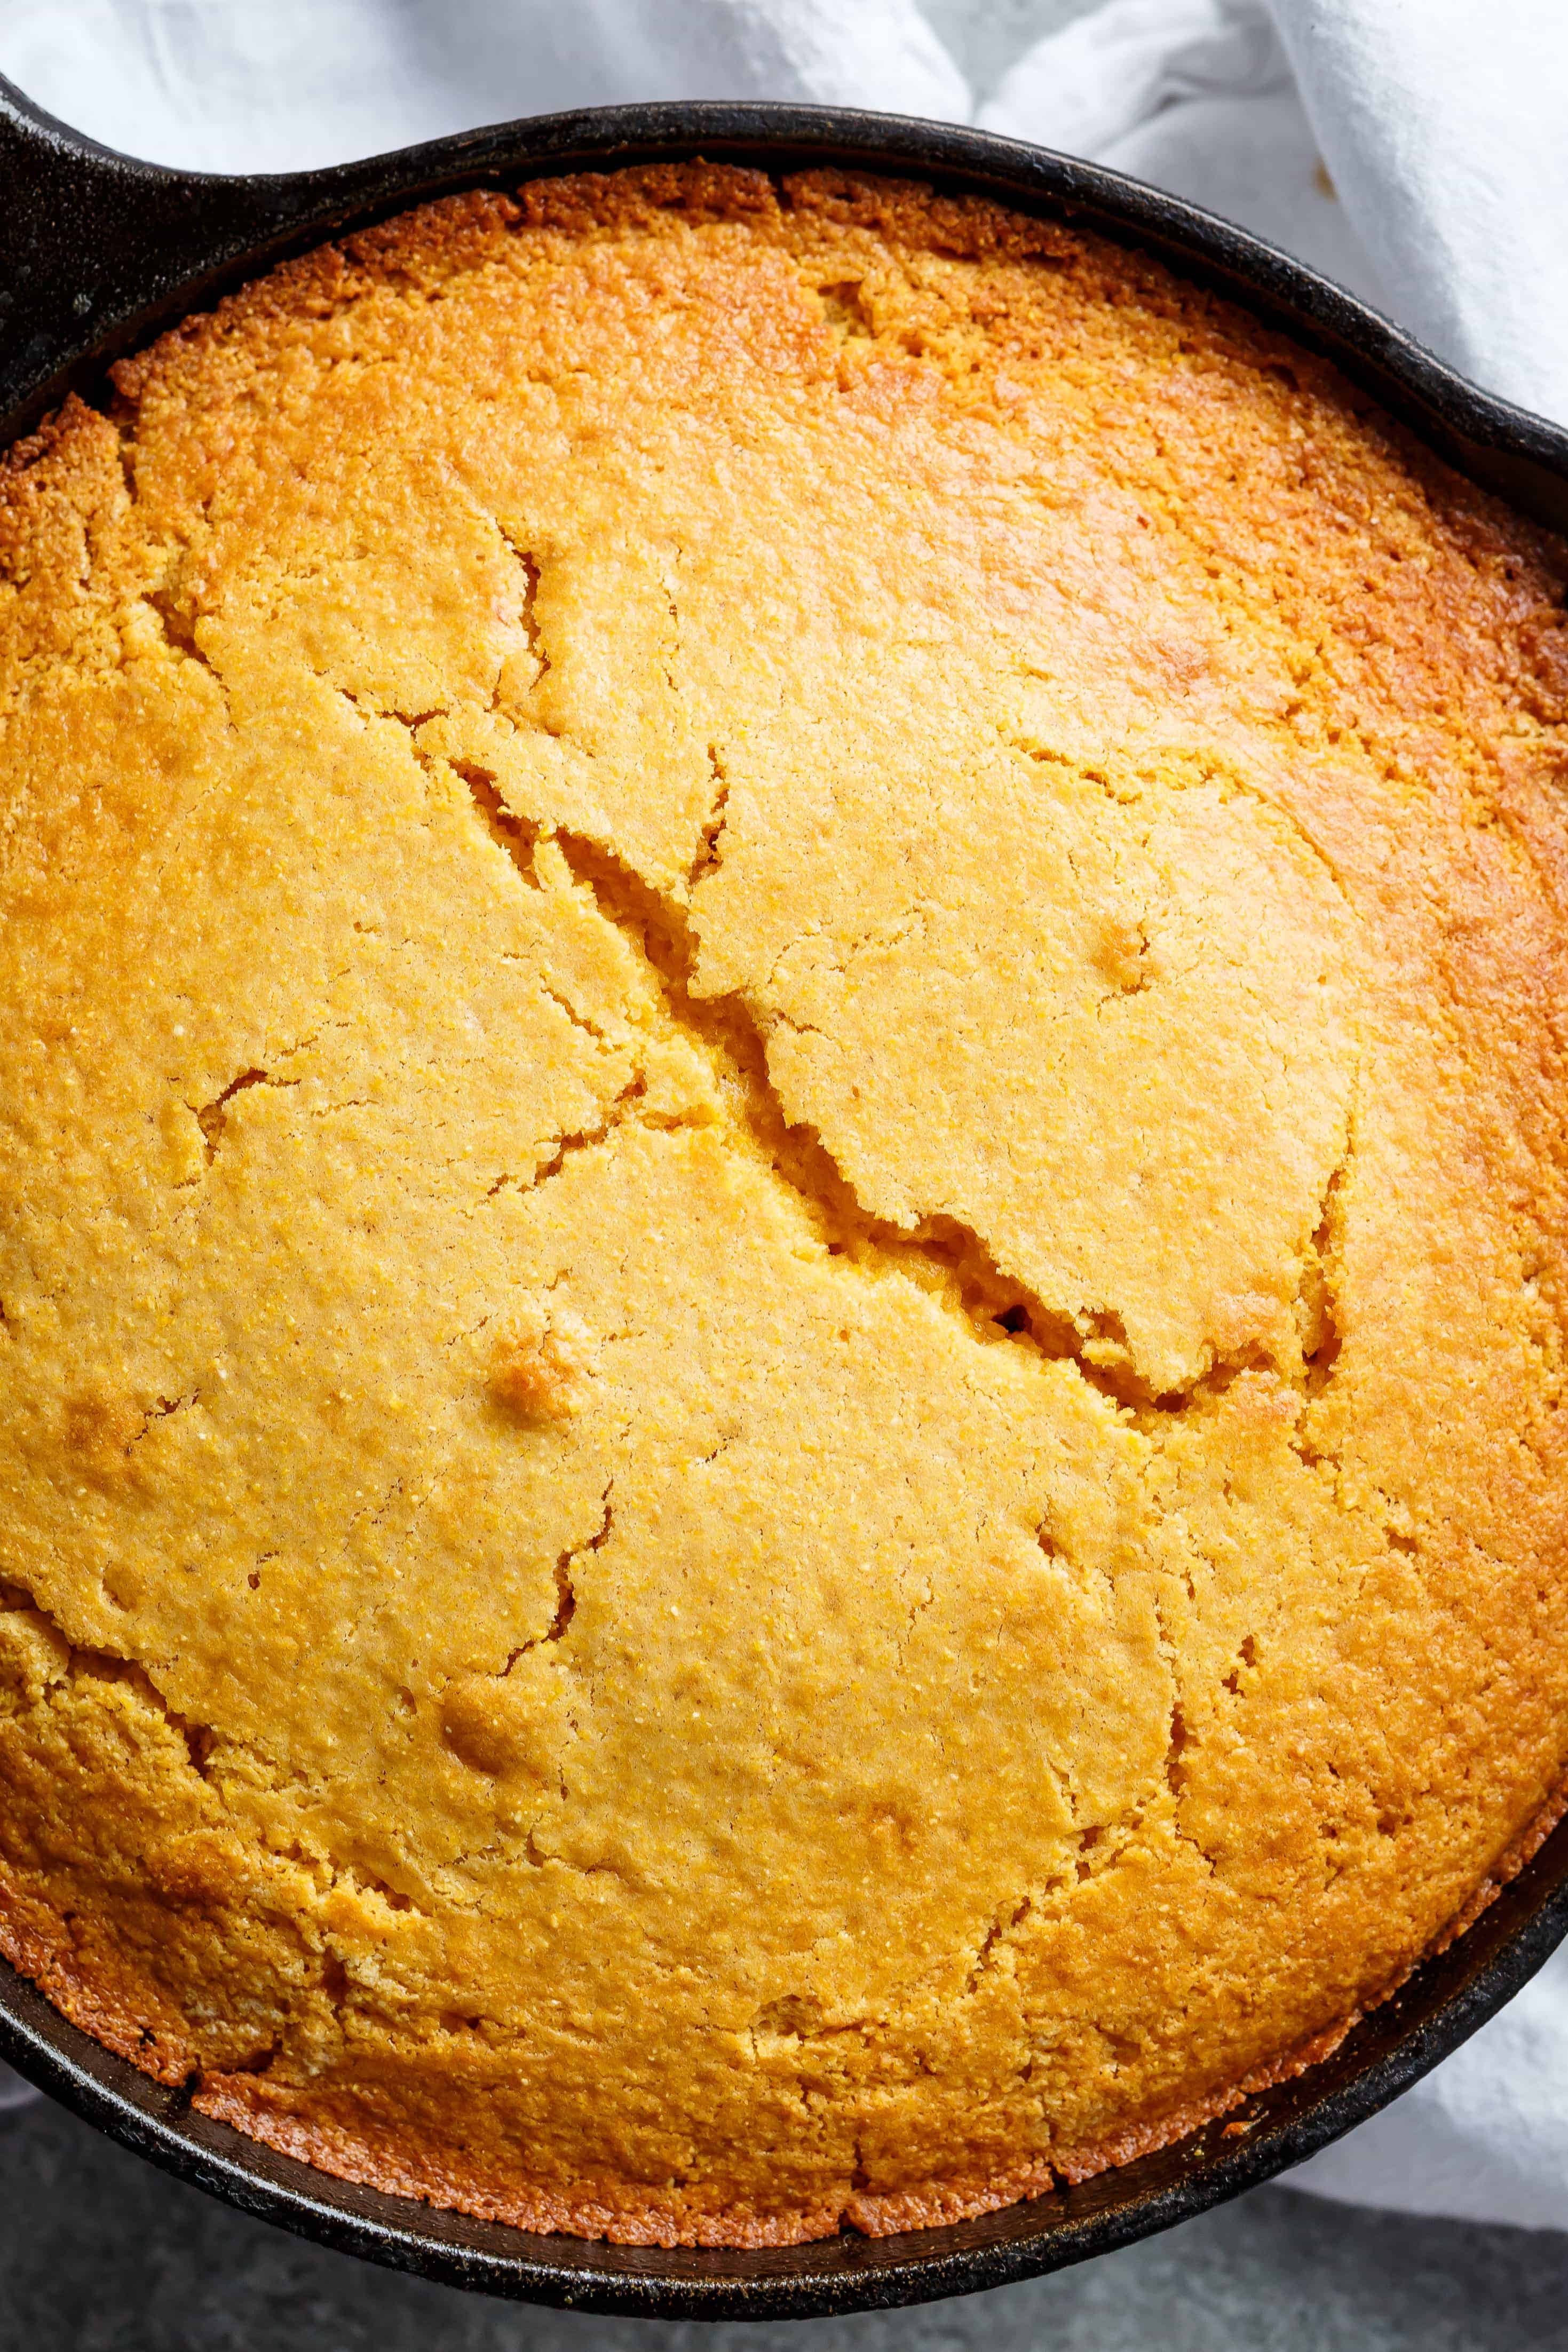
x: 781, y: 980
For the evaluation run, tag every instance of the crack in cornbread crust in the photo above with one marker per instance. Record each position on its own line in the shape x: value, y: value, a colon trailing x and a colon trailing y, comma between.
x: 604, y: 685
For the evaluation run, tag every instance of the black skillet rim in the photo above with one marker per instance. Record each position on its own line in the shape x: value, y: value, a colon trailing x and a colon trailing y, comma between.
x: 104, y: 252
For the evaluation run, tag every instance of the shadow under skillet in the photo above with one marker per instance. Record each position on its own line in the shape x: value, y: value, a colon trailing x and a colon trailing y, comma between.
x: 100, y: 2253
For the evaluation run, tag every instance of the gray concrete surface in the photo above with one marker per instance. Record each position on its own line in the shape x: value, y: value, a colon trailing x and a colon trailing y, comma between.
x: 100, y: 2253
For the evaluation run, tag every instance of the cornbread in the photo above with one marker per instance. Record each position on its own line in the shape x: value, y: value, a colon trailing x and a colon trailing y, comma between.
x: 782, y: 1228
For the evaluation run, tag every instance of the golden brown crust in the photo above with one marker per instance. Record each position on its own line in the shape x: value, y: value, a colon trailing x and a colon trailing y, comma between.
x: 782, y: 1232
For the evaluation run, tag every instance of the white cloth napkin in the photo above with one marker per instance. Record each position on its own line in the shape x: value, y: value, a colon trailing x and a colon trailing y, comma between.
x: 1416, y: 150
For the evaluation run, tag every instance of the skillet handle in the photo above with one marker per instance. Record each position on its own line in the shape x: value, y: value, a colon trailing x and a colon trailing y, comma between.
x: 93, y: 239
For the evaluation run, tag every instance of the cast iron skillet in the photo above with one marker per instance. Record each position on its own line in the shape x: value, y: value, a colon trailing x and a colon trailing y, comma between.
x: 100, y: 253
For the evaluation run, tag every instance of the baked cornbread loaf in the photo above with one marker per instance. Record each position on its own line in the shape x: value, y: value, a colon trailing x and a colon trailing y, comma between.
x: 782, y: 1221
